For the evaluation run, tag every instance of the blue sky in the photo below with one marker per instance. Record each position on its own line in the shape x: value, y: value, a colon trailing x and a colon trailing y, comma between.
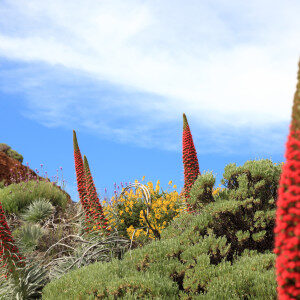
x: 121, y: 73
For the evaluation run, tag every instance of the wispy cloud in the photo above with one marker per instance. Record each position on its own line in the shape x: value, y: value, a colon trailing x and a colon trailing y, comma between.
x: 138, y: 65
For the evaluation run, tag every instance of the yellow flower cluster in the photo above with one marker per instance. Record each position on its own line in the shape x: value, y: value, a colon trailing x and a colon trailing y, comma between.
x: 127, y: 214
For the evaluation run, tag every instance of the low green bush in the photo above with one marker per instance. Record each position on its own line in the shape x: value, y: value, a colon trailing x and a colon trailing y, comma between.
x: 15, y: 198
x: 15, y: 155
x: 165, y: 270
x: 10, y: 152
x: 4, y: 147
x: 103, y: 279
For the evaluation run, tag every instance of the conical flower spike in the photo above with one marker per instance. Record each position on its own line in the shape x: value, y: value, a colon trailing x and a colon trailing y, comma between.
x: 287, y: 228
x: 81, y: 180
x: 97, y: 211
x: 10, y: 257
x: 190, y: 160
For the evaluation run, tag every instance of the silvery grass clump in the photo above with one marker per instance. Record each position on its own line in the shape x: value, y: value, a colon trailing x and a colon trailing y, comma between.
x: 82, y: 249
x: 27, y: 236
x: 28, y: 285
x: 38, y: 211
x: 88, y: 250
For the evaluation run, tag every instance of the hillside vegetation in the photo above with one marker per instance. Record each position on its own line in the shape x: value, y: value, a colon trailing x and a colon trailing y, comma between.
x: 222, y: 252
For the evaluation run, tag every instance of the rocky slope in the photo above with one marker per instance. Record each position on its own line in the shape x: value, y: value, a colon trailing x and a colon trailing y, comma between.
x: 13, y: 171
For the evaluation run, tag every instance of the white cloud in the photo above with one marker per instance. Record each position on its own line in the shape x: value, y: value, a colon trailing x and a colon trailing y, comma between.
x: 226, y: 63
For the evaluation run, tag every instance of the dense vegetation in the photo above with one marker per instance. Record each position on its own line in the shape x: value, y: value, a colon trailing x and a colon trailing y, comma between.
x: 230, y: 238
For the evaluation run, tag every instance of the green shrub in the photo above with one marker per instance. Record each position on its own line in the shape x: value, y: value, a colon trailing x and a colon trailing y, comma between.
x: 15, y: 198
x: 10, y: 152
x: 224, y: 252
x: 27, y: 236
x: 251, y: 277
x: 4, y: 147
x: 201, y: 191
x: 14, y: 154
x: 38, y: 211
x: 113, y: 279
x: 245, y: 211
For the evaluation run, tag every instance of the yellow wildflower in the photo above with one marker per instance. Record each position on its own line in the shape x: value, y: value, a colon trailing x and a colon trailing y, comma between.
x: 131, y: 203
x: 170, y: 182
x: 157, y: 186
x: 150, y: 185
x: 143, y: 178
x: 175, y: 186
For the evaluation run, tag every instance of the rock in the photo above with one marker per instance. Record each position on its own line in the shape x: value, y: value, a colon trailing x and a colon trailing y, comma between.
x: 12, y: 171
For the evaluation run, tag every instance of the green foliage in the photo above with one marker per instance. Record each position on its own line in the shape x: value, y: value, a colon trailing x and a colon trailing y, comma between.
x: 32, y: 279
x: 27, y: 236
x: 2, y: 185
x: 38, y: 211
x: 201, y: 191
x: 164, y: 269
x: 258, y: 179
x: 224, y: 252
x: 10, y: 152
x: 14, y: 154
x: 251, y: 277
x: 15, y: 198
x: 4, y: 147
x: 113, y: 279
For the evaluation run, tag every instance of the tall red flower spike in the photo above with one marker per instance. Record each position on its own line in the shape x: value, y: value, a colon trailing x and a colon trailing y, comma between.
x: 287, y: 228
x: 95, y: 206
x: 9, y: 252
x: 190, y: 160
x: 81, y: 180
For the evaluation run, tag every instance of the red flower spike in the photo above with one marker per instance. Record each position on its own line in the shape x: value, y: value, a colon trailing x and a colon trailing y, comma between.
x: 287, y: 228
x: 9, y: 252
x: 81, y: 180
x: 92, y: 194
x: 190, y: 160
